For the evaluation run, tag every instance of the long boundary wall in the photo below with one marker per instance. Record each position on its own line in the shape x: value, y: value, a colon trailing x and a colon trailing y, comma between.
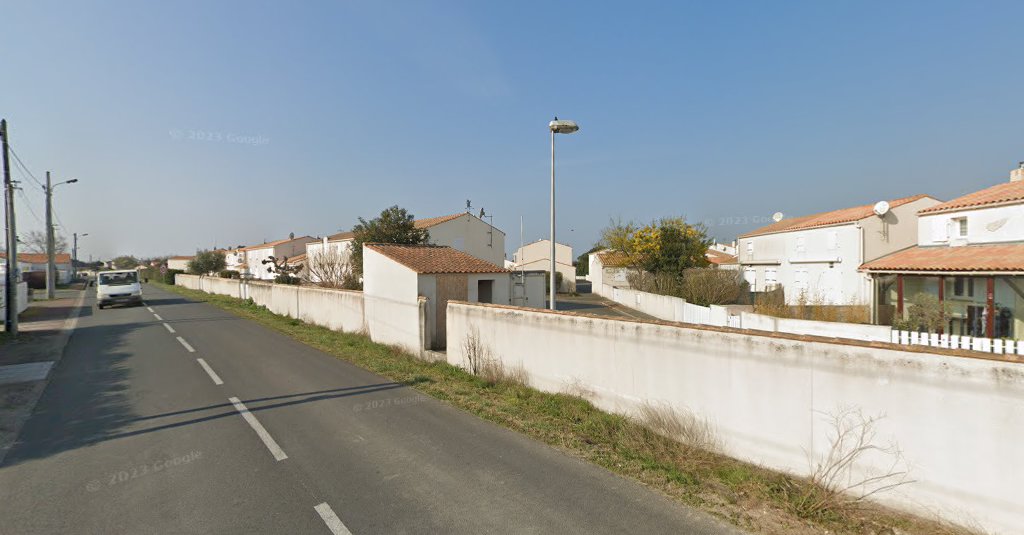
x: 387, y: 322
x: 958, y: 421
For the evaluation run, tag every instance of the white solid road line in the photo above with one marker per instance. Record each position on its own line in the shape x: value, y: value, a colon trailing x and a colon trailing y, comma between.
x: 332, y: 520
x: 149, y: 309
x: 268, y: 440
x: 157, y: 316
x: 169, y: 328
x: 184, y: 343
x: 213, y: 375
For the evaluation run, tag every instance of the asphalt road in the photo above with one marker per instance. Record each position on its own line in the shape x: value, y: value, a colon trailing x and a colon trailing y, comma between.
x: 135, y: 435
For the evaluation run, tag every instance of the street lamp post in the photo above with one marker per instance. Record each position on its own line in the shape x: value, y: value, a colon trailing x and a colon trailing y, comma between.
x: 51, y: 264
x: 556, y: 127
x: 74, y: 255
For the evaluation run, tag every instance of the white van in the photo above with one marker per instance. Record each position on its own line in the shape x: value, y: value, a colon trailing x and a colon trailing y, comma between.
x: 120, y: 286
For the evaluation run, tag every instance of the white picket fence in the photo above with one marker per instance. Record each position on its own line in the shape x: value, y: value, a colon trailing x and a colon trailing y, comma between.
x: 952, y: 341
x: 676, y: 309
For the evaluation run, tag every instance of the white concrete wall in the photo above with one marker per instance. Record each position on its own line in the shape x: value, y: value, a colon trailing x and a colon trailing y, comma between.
x: 340, y: 310
x: 22, y: 298
x: 984, y: 225
x: 174, y: 263
x: 394, y: 312
x: 958, y: 421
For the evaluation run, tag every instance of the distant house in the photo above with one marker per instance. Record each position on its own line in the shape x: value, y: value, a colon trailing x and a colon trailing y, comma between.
x: 463, y: 231
x: 179, y: 262
x: 234, y: 259
x: 816, y: 257
x: 969, y: 253
x: 536, y: 256
x: 36, y: 263
x: 401, y: 274
x: 609, y: 268
x: 722, y: 260
x: 255, y: 255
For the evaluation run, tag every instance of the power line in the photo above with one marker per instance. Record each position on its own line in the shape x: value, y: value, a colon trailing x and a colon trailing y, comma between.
x: 22, y: 164
x: 28, y: 204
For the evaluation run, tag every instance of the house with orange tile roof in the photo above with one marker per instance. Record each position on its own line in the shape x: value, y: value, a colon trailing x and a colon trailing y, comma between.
x: 463, y: 231
x: 257, y: 263
x: 179, y: 262
x: 36, y: 262
x: 398, y: 277
x: 816, y: 257
x: 608, y: 268
x: 970, y: 255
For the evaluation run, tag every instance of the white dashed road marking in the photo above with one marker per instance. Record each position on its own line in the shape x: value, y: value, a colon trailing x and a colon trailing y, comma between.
x: 169, y: 328
x: 157, y: 316
x: 149, y: 309
x: 213, y: 375
x: 184, y: 343
x: 332, y: 520
x: 268, y: 440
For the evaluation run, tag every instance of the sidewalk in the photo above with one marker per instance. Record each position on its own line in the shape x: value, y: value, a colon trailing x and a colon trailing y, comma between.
x: 25, y: 362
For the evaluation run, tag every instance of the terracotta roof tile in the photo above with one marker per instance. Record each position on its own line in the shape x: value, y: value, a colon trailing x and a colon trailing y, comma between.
x: 427, y: 223
x: 40, y: 258
x: 1006, y: 193
x: 998, y: 257
x: 428, y: 259
x: 835, y: 217
x: 273, y: 243
x: 718, y: 257
x: 612, y: 259
x: 419, y: 223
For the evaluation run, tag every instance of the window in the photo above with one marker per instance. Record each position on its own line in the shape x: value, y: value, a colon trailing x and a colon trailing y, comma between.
x: 800, y: 278
x: 801, y: 244
x: 750, y: 250
x: 750, y: 275
x: 961, y: 226
x: 770, y: 278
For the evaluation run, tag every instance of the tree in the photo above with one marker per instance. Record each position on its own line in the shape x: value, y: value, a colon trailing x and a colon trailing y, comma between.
x: 35, y: 242
x: 393, y: 225
x: 583, y: 261
x: 330, y: 269
x: 125, y: 262
x: 206, y: 262
x: 669, y: 245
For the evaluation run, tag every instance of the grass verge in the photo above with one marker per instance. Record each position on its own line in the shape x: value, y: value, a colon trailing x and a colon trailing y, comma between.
x: 749, y: 496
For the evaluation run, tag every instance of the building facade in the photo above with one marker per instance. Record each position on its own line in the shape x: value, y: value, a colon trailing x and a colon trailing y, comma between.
x: 816, y: 258
x: 969, y: 256
x: 257, y: 256
x: 536, y: 256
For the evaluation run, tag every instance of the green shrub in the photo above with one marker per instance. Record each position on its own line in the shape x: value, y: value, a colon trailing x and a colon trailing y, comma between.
x: 168, y: 277
x: 228, y: 274
x: 286, y: 278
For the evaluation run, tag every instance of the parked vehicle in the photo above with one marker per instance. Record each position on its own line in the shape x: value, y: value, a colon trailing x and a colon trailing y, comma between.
x: 118, y: 287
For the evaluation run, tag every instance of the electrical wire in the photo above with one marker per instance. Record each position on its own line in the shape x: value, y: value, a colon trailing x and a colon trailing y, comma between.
x: 28, y: 204
x: 17, y: 160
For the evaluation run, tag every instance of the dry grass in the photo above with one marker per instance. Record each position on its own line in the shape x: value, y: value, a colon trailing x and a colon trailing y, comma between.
x: 687, y: 467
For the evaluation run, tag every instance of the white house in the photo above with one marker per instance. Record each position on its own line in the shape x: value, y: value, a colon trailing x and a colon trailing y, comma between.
x: 969, y: 253
x: 817, y: 256
x: 610, y: 268
x: 179, y: 262
x: 234, y: 259
x: 256, y: 254
x: 401, y: 274
x: 463, y: 231
x: 536, y: 256
x: 36, y: 262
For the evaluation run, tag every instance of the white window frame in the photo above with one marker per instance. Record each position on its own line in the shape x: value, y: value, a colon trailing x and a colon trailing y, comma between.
x: 961, y: 226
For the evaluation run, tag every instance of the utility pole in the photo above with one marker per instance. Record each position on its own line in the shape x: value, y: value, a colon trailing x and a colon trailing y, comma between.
x: 11, y: 288
x: 74, y: 257
x: 51, y: 274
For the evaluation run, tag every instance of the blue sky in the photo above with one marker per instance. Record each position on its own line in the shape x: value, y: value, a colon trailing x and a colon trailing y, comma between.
x: 308, y: 115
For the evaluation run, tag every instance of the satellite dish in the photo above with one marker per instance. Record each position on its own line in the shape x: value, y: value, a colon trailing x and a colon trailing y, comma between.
x: 777, y: 216
x: 881, y: 208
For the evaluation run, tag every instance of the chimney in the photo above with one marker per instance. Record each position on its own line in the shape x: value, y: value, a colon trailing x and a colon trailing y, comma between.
x: 1017, y: 174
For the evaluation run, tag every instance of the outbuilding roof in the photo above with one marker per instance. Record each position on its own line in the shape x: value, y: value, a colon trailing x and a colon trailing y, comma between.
x: 1005, y: 193
x: 967, y: 258
x: 825, y: 219
x: 428, y: 259
x: 719, y: 258
x: 273, y: 243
